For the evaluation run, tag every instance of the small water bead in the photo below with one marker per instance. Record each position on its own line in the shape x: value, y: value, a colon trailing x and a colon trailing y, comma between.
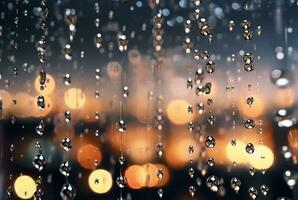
x: 125, y: 92
x: 196, y: 54
x: 189, y: 83
x: 12, y: 148
x: 196, y: 14
x: 247, y: 34
x: 200, y: 108
x: 264, y: 190
x: 160, y: 193
x: 249, y: 124
x: 39, y: 162
x: 42, y: 78
x: 259, y: 30
x: 291, y: 178
x: 68, y: 192
x: 41, y: 102
x: 190, y: 109
x: 252, y: 171
x: 98, y: 40
x: 191, y: 149
x: 245, y: 24
x: 97, y: 94
x: 40, y: 128
x: 249, y: 101
x: 211, y: 119
x: 210, y: 67
x: 213, y: 183
x: 207, y: 88
x: 97, y: 22
x: 121, y: 126
x: 66, y: 144
x: 233, y: 142
x: 253, y: 193
x: 187, y: 26
x: 187, y: 46
x: 232, y: 25
x: 210, y: 142
x: 67, y: 79
x: 190, y: 126
x: 209, y: 102
x: 121, y: 181
x: 235, y: 184
x: 65, y: 168
x: 191, y: 172
x: 160, y: 149
x: 210, y: 161
x: 199, y: 75
x: 67, y: 116
x: 250, y: 149
x: 192, y: 190
x: 122, y: 42
x: 159, y: 174
x: 67, y: 52
x: 97, y: 74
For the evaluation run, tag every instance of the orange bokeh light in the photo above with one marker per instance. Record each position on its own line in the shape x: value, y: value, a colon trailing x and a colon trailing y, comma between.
x: 89, y: 156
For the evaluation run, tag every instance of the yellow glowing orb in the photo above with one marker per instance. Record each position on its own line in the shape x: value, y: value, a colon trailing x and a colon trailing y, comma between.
x: 236, y: 153
x: 74, y: 98
x: 49, y: 86
x: 262, y: 158
x: 100, y: 181
x: 24, y: 187
x: 177, y: 112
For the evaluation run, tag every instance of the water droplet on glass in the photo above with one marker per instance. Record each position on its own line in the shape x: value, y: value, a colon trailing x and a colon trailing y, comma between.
x: 253, y: 193
x: 249, y: 124
x: 68, y: 192
x: 250, y: 149
x: 192, y: 190
x: 39, y: 162
x: 121, y: 181
x: 40, y: 128
x: 264, y: 190
x: 121, y: 126
x: 235, y: 184
x: 67, y: 79
x: 210, y: 67
x: 65, y: 168
x: 41, y: 102
x: 213, y: 183
x: 66, y: 144
x: 210, y: 142
x: 210, y: 161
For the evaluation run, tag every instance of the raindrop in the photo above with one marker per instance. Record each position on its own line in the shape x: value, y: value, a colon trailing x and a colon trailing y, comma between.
x: 250, y: 149
x: 65, y: 168
x: 68, y: 192
x: 264, y: 190
x: 235, y: 184
x: 249, y: 124
x: 41, y: 102
x: 213, y: 183
x: 253, y: 193
x: 121, y: 181
x: 66, y: 144
x: 67, y: 79
x: 192, y: 190
x: 39, y: 162
x: 121, y: 126
x: 210, y: 142
x: 210, y: 67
